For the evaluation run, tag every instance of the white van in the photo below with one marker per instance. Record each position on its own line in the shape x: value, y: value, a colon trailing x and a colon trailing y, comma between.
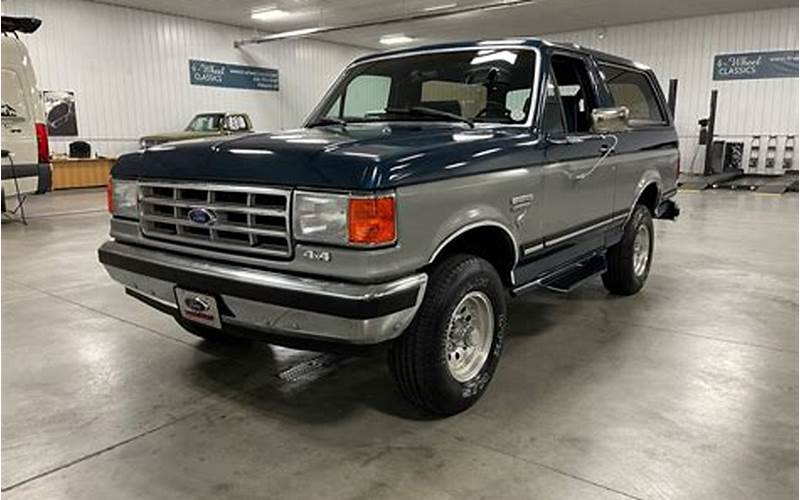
x: 26, y: 152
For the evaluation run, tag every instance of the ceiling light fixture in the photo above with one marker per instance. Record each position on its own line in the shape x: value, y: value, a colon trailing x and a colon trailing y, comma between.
x: 414, y: 16
x: 269, y: 14
x: 395, y: 39
x: 440, y: 7
x: 287, y: 34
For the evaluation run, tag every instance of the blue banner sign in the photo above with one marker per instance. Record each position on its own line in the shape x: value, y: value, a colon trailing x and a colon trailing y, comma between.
x: 756, y: 65
x: 232, y: 76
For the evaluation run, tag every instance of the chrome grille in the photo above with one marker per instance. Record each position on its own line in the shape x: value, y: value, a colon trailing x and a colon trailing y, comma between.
x: 247, y: 220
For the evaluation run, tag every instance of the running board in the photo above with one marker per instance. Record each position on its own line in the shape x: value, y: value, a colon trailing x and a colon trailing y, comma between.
x: 567, y: 279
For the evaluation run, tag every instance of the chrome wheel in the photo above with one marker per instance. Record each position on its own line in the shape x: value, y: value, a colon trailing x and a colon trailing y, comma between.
x: 641, y: 251
x: 469, y: 336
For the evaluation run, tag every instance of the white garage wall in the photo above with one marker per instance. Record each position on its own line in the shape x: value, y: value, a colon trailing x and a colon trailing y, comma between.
x: 130, y: 70
x: 685, y: 49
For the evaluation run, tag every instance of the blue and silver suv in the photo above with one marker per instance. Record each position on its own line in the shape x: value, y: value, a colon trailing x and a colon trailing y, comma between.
x: 427, y: 186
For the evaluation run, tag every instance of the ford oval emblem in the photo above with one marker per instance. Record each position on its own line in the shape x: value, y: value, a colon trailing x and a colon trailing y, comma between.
x: 202, y: 216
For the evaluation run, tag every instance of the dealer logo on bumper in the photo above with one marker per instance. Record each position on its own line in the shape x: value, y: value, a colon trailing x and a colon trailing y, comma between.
x: 197, y: 304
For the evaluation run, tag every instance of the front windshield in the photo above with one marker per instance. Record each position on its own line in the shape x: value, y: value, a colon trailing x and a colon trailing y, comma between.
x: 481, y: 85
x: 204, y: 123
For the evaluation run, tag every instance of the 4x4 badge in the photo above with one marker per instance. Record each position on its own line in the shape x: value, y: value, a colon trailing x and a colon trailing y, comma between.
x: 322, y: 255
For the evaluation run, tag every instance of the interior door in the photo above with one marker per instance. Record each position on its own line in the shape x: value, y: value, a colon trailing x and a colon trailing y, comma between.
x: 578, y: 177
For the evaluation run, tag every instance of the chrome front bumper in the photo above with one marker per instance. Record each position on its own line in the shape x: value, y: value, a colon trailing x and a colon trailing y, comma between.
x: 270, y: 302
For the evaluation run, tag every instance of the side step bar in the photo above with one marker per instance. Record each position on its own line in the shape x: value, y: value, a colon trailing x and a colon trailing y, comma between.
x: 567, y: 279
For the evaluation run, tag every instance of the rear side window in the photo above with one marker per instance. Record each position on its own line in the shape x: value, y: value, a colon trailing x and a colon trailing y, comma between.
x: 634, y: 90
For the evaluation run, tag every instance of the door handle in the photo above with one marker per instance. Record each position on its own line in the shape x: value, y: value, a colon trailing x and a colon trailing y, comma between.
x: 566, y: 140
x: 605, y: 150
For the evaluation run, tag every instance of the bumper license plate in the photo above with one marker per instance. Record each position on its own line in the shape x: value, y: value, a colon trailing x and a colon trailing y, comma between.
x: 198, y: 307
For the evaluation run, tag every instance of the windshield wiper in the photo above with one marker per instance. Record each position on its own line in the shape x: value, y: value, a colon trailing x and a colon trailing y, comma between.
x: 422, y: 110
x: 327, y: 120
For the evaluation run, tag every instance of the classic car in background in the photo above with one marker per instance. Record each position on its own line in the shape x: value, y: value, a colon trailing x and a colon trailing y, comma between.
x: 203, y: 125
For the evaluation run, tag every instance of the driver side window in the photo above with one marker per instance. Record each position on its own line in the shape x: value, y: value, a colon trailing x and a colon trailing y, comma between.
x: 553, y: 120
x: 575, y: 92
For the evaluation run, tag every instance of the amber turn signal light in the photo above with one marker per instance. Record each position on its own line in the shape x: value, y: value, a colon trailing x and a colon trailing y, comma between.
x: 371, y: 221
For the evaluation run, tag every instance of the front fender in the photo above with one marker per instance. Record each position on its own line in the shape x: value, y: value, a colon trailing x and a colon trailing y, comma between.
x: 433, y: 214
x: 475, y: 218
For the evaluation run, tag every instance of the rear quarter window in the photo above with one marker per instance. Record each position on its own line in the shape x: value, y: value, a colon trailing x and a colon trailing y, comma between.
x: 634, y: 90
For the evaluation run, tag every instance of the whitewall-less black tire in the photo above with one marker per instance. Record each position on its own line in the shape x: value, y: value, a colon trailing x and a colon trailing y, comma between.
x: 629, y: 260
x: 447, y: 357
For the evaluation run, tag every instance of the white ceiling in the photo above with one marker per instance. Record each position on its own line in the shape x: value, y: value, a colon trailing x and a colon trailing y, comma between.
x: 541, y: 17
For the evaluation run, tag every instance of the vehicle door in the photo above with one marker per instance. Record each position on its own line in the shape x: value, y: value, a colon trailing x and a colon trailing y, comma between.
x: 19, y: 134
x: 19, y: 131
x: 578, y: 176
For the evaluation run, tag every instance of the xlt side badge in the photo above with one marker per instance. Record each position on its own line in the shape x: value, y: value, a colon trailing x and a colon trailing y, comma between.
x: 519, y: 206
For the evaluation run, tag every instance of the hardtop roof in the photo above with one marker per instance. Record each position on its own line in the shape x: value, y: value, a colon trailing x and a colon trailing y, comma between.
x: 522, y: 42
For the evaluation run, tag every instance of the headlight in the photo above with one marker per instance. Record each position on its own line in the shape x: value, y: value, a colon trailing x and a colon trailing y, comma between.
x: 341, y: 219
x: 123, y: 198
x: 320, y: 217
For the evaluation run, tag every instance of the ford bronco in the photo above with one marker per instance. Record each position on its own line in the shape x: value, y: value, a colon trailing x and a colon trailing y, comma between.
x: 427, y: 187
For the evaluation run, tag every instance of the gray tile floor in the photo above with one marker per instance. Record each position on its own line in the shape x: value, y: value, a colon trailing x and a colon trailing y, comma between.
x: 687, y: 390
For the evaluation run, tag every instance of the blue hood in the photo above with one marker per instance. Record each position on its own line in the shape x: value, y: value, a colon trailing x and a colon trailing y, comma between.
x: 358, y: 157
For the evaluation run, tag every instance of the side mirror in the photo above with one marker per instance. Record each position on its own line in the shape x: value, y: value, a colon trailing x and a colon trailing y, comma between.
x: 609, y: 120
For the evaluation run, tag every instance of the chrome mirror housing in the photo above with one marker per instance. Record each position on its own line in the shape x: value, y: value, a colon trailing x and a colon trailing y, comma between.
x: 610, y: 120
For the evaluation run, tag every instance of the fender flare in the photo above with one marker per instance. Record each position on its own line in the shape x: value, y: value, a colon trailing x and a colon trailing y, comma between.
x: 474, y: 225
x: 648, y: 179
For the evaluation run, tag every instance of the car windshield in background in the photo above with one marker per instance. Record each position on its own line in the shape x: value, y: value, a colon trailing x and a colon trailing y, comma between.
x: 480, y: 85
x: 204, y: 123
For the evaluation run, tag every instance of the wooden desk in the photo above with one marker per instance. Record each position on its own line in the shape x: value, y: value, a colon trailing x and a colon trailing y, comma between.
x: 78, y: 173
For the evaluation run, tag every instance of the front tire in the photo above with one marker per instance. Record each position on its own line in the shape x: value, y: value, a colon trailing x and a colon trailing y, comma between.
x: 629, y: 260
x: 447, y: 357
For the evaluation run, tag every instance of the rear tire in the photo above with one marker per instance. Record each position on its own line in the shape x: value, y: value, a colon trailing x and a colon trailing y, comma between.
x: 629, y: 260
x: 210, y: 334
x: 447, y: 357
